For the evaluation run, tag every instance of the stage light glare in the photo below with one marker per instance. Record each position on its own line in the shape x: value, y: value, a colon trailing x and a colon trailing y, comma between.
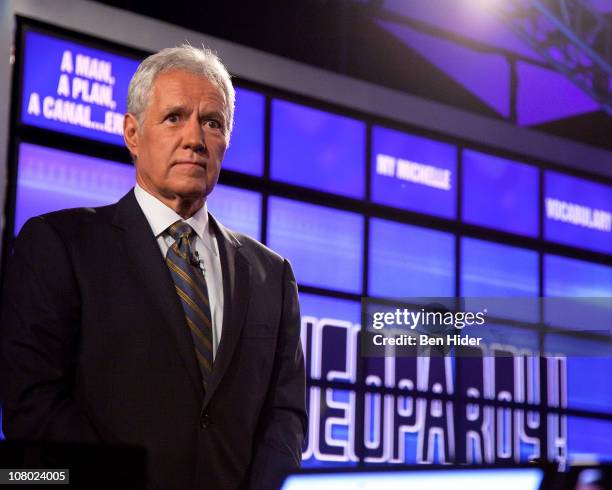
x: 480, y: 6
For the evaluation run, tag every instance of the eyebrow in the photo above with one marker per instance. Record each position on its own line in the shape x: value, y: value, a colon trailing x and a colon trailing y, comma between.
x: 174, y: 108
x: 180, y: 109
x: 214, y: 113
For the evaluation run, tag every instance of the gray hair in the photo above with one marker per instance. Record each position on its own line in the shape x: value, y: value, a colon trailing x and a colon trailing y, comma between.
x: 201, y: 61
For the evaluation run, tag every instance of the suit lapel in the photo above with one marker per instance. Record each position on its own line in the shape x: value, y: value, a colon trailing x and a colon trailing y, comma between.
x: 150, y: 268
x: 236, y: 287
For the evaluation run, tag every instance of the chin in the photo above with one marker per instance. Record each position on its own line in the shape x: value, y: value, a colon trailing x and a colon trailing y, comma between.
x: 192, y: 191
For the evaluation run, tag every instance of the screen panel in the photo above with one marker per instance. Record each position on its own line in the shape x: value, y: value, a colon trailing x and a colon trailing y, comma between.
x: 501, y: 271
x: 407, y: 261
x: 500, y: 194
x: 589, y: 385
x: 566, y: 277
x: 317, y: 149
x: 571, y: 278
x: 587, y: 368
x: 246, y: 150
x: 589, y: 439
x: 414, y: 173
x: 325, y: 245
x: 238, y: 209
x: 493, y: 269
x: 49, y: 180
x: 73, y: 88
x: 577, y: 212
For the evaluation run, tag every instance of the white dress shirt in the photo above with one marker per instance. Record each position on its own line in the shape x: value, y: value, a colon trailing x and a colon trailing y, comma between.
x: 160, y: 217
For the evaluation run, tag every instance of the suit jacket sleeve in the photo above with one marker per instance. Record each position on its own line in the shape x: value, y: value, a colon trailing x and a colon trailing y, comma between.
x: 283, y: 421
x: 39, y: 336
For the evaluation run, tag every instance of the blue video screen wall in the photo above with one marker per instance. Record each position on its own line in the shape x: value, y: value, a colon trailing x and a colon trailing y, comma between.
x: 362, y: 209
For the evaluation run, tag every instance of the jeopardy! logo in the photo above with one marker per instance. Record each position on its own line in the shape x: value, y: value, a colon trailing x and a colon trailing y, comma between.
x: 429, y: 409
x: 417, y: 173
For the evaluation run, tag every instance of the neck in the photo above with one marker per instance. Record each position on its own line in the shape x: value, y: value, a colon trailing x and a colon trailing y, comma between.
x: 185, y: 208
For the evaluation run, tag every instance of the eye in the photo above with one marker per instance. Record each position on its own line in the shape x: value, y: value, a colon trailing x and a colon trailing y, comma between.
x: 173, y: 117
x: 214, y: 124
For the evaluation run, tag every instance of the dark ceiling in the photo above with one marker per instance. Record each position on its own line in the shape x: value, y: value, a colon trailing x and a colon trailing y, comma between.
x: 343, y: 36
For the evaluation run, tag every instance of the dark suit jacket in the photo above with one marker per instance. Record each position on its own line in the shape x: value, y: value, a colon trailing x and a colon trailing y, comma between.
x: 94, y: 347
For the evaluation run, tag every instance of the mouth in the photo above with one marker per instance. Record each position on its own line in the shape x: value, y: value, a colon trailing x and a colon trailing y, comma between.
x: 189, y: 162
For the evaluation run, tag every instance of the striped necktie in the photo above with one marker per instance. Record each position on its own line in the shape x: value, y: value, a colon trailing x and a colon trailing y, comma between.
x: 191, y: 288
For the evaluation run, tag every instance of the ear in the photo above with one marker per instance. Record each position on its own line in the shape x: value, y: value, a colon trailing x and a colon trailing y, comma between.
x: 131, y: 133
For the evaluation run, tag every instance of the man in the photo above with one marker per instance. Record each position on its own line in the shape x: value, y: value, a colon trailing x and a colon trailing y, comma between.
x: 149, y: 323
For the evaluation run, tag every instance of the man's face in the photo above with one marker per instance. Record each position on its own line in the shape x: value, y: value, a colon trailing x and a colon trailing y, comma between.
x: 183, y: 137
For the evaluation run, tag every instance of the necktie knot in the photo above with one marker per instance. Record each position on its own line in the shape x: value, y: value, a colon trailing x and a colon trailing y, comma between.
x: 180, y: 231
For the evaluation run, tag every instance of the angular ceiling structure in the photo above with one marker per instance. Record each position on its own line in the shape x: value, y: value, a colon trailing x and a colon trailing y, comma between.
x: 458, y: 52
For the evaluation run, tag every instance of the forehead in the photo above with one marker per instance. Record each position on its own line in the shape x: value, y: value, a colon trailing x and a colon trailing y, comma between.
x: 181, y: 87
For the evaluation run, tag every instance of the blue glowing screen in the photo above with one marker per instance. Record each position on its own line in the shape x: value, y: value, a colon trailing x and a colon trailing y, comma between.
x: 72, y: 88
x: 502, y: 271
x: 238, y: 209
x: 414, y: 173
x: 589, y: 438
x: 316, y: 149
x: 324, y: 245
x: 500, y: 193
x: 577, y: 212
x: 49, y: 180
x: 564, y: 277
x: 324, y: 307
x: 407, y: 261
x: 592, y: 392
x: 571, y: 278
x: 492, y: 269
x: 246, y: 150
x: 588, y: 365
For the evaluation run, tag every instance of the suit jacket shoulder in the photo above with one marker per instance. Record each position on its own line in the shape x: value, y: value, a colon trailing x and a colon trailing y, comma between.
x: 253, y: 250
x: 71, y: 226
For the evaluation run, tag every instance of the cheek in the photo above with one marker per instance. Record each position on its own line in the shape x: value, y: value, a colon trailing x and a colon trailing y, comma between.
x: 220, y: 153
x: 217, y: 145
x: 160, y: 154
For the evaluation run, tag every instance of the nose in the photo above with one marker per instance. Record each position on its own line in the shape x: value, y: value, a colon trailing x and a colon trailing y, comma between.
x: 193, y: 137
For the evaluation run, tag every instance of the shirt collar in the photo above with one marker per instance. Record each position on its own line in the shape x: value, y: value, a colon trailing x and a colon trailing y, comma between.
x: 160, y: 216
